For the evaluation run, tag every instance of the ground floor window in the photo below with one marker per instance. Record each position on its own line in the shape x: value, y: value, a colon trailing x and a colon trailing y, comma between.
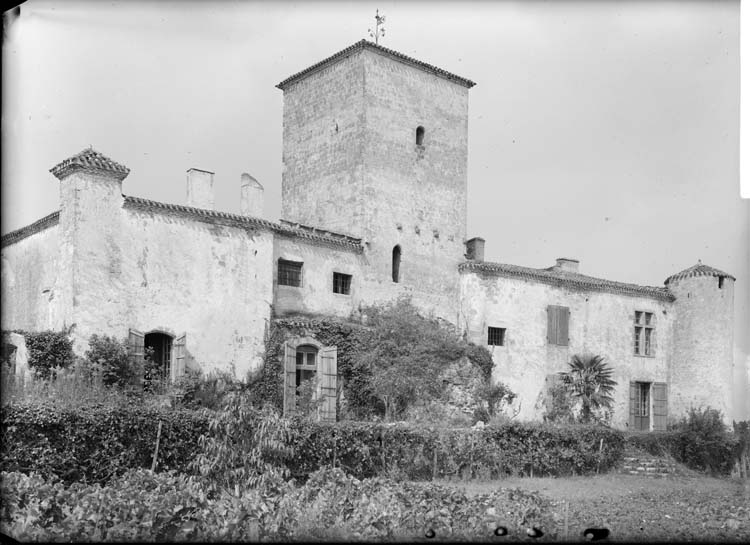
x: 9, y: 357
x: 306, y: 365
x: 305, y: 358
x: 648, y: 406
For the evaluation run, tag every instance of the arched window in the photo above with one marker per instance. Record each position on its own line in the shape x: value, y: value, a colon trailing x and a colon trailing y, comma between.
x: 420, y: 136
x: 159, y: 352
x: 307, y: 362
x: 396, y: 262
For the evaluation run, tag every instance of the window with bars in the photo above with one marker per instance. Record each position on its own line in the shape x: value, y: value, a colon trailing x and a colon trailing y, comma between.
x: 342, y: 283
x: 644, y: 335
x: 496, y: 336
x: 290, y: 273
x: 558, y: 319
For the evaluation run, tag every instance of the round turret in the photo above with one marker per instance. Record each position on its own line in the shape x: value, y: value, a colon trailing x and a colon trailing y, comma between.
x: 700, y: 370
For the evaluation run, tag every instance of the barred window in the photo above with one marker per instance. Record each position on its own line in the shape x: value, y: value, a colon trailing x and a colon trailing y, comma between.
x: 644, y: 334
x: 290, y: 273
x: 496, y: 336
x: 342, y: 283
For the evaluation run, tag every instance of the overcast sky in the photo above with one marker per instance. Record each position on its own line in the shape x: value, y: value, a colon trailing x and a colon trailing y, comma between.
x: 602, y: 131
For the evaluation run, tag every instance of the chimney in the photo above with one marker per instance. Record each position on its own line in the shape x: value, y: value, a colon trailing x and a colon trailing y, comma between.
x: 251, y: 196
x: 475, y: 249
x: 565, y: 264
x: 200, y: 188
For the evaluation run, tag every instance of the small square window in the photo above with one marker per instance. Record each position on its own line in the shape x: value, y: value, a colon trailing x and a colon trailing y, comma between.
x: 290, y: 273
x: 342, y: 283
x: 496, y: 336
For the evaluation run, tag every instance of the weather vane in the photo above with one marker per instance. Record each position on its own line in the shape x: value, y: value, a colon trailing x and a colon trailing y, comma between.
x: 379, y: 31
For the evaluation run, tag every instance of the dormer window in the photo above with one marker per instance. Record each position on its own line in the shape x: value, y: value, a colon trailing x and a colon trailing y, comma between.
x: 420, y: 136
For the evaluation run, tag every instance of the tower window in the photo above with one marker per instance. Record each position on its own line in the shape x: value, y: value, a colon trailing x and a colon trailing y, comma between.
x: 290, y: 273
x: 396, y: 263
x: 721, y: 282
x: 496, y: 336
x: 342, y: 283
x: 420, y: 136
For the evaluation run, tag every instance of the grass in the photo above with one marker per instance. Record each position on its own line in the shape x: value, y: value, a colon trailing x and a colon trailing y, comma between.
x: 638, y: 508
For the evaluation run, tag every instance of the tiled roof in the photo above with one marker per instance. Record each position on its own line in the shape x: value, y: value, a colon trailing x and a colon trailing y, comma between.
x: 364, y: 44
x: 23, y: 232
x: 91, y: 160
x: 214, y: 216
x: 556, y: 277
x: 699, y: 269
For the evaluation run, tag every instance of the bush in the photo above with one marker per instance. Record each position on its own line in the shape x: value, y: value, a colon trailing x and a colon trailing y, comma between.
x: 97, y: 442
x: 110, y: 356
x: 700, y: 440
x: 47, y: 351
x: 143, y: 506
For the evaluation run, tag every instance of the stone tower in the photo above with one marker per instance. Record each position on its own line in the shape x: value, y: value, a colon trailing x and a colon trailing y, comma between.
x: 700, y: 372
x: 375, y: 145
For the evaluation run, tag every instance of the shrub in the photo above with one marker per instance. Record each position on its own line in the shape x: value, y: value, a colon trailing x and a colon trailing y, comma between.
x: 96, y: 442
x: 559, y: 404
x: 700, y: 440
x: 110, y: 356
x: 47, y: 351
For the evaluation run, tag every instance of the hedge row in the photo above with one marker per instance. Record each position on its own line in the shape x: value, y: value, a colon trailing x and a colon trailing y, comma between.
x: 331, y: 506
x: 420, y: 453
x: 96, y: 443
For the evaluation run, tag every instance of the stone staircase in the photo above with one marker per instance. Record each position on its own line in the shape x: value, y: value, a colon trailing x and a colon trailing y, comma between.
x: 649, y: 466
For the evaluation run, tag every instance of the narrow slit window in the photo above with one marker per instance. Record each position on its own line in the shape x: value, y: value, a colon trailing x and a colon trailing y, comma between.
x: 342, y: 283
x: 420, y: 136
x: 396, y: 263
x: 496, y: 336
x: 290, y: 273
x: 721, y: 282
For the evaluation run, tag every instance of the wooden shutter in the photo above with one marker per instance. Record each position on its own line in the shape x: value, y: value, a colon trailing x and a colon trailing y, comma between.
x: 551, y: 325
x: 290, y: 379
x: 135, y: 352
x: 557, y: 325
x: 327, y: 379
x: 562, y: 330
x: 659, y: 400
x: 178, y: 358
x: 633, y: 408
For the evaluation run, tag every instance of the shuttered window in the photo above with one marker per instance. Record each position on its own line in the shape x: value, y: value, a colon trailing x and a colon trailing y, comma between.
x: 558, y: 319
x: 303, y: 362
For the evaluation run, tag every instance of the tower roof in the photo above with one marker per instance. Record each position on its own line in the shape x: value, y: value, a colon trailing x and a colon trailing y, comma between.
x: 699, y: 269
x: 364, y: 44
x: 92, y: 160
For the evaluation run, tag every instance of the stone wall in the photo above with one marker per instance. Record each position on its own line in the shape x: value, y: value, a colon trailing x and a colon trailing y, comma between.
x: 352, y: 165
x: 600, y: 323
x: 29, y: 278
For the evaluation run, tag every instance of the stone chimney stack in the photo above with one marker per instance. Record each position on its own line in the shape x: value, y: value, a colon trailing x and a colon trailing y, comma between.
x: 200, y: 188
x: 565, y: 264
x: 251, y: 196
x: 475, y: 249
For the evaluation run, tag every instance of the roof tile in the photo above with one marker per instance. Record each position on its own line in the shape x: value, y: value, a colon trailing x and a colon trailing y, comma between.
x: 89, y: 159
x: 556, y: 277
x: 364, y: 44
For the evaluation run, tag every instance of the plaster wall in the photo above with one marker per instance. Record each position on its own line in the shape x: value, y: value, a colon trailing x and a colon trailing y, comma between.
x: 29, y: 276
x: 600, y: 323
x: 315, y: 295
x: 703, y: 345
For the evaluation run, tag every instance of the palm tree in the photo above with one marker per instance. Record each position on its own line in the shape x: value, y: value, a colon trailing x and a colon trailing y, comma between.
x: 590, y: 380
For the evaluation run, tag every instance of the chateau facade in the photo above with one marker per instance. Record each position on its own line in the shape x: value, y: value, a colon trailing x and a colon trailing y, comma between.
x: 374, y: 200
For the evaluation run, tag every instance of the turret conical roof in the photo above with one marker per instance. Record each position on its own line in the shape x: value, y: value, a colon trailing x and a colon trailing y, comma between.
x: 699, y: 269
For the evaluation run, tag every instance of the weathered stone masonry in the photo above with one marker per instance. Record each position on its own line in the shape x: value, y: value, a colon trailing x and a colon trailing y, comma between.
x: 374, y: 189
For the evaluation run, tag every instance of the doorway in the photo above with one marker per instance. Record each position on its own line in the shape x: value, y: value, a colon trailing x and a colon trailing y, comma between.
x: 158, y: 355
x: 642, y: 409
